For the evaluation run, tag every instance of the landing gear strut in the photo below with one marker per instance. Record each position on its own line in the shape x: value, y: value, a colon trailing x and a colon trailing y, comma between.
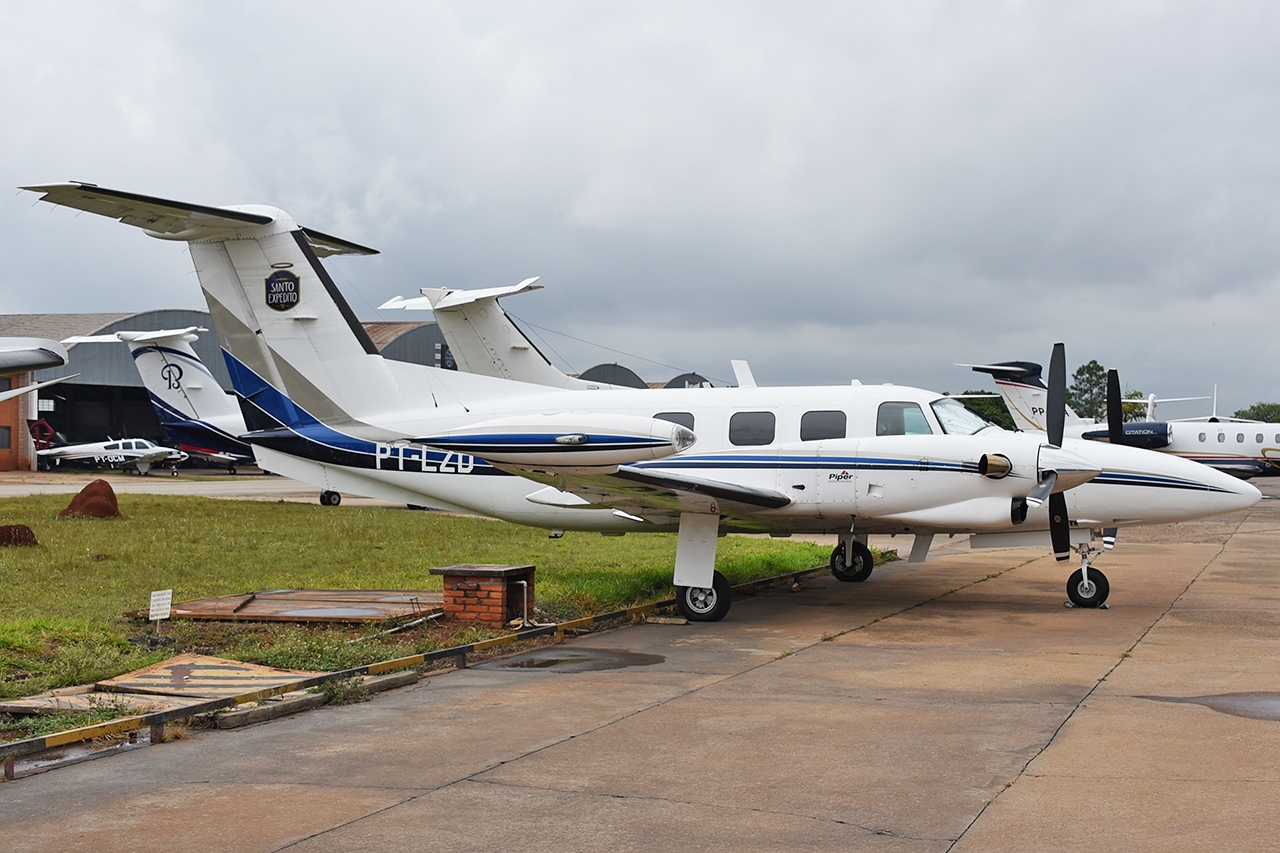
x: 1088, y: 587
x: 705, y: 604
x: 852, y: 562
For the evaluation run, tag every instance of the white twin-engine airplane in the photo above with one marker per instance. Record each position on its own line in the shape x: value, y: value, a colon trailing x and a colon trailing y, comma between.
x: 1241, y: 448
x: 322, y: 406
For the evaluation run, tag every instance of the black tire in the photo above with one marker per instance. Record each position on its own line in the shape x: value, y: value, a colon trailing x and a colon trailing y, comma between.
x: 231, y: 470
x: 1092, y: 595
x: 854, y: 569
x: 705, y: 605
x: 330, y: 498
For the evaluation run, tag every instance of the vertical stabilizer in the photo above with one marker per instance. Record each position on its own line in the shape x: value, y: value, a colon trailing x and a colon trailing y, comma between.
x: 483, y: 338
x: 293, y: 345
x: 1024, y: 392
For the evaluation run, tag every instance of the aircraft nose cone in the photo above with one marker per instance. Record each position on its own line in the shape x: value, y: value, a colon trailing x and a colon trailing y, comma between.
x: 1232, y: 494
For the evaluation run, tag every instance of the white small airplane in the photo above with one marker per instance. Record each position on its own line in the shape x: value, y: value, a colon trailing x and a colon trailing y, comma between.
x: 129, y: 454
x: 195, y: 413
x: 323, y: 406
x: 1241, y: 448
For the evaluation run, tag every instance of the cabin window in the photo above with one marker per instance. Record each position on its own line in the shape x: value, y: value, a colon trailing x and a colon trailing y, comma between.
x: 685, y: 419
x: 6, y: 438
x: 1240, y: 437
x: 1222, y: 436
x: 749, y: 429
x: 956, y: 419
x: 115, y: 446
x: 901, y: 419
x: 1259, y: 439
x: 815, y: 426
x: 1201, y: 438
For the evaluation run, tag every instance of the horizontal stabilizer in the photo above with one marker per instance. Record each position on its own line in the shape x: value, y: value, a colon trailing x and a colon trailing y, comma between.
x: 177, y: 219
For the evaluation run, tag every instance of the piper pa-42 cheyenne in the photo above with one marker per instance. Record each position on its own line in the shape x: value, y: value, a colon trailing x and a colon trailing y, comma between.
x: 322, y: 406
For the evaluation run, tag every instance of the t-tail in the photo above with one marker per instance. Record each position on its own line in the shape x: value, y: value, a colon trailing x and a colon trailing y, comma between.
x: 484, y: 339
x: 295, y: 350
x: 189, y: 402
x: 1024, y: 393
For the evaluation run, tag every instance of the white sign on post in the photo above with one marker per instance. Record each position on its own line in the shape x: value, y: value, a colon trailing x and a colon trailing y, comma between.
x: 161, y: 601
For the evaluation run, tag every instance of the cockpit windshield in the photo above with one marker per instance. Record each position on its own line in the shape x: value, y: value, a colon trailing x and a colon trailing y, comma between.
x: 956, y: 419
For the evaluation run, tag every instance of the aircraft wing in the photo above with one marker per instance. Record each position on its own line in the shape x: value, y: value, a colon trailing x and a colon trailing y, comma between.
x: 27, y: 389
x: 167, y: 217
x: 657, y: 496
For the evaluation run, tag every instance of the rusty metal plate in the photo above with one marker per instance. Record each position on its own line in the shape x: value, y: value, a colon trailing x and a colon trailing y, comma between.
x: 201, y: 677
x: 314, y: 605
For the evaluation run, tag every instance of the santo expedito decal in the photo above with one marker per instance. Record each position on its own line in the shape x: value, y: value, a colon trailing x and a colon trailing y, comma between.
x: 283, y: 291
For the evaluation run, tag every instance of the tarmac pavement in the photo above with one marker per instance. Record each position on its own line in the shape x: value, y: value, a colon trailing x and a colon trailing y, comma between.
x: 953, y: 704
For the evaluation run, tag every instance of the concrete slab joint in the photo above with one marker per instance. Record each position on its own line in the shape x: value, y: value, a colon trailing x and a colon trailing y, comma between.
x: 488, y: 594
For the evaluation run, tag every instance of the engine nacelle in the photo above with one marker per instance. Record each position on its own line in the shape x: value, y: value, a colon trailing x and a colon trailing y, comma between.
x: 1148, y: 435
x: 568, y: 440
x: 989, y: 513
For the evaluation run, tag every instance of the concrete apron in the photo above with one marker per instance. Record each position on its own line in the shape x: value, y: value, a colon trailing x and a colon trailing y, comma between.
x: 930, y: 704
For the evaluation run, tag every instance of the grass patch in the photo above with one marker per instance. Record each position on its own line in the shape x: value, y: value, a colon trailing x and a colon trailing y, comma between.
x: 61, y: 603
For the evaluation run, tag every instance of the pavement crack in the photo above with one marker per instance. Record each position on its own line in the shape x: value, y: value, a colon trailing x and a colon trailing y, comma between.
x: 1124, y: 656
x: 700, y: 804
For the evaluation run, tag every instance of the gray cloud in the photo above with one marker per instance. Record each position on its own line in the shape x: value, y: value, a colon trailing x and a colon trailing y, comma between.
x: 830, y: 190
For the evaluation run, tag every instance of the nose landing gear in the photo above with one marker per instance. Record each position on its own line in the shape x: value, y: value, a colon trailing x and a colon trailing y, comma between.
x: 852, y: 562
x: 1088, y: 587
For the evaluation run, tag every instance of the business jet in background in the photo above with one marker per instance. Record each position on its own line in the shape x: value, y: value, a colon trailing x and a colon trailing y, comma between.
x: 24, y: 355
x: 1238, y: 447
x: 196, y: 414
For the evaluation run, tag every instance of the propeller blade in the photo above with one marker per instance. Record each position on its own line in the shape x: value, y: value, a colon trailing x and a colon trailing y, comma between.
x: 1056, y: 407
x: 1115, y: 409
x: 1059, y: 527
x: 1041, y: 491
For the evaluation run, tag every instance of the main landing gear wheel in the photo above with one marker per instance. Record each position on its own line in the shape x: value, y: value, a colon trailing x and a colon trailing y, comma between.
x: 1088, y: 593
x: 705, y: 604
x: 853, y: 568
x: 328, y: 498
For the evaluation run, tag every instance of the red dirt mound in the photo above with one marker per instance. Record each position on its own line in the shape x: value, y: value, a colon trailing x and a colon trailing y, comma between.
x: 17, y: 534
x: 96, y: 500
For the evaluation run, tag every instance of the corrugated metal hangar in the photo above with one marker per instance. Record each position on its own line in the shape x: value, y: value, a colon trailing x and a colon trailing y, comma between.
x: 107, y: 399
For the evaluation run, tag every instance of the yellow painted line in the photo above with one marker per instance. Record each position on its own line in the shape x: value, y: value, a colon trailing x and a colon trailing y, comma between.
x: 98, y: 730
x: 398, y: 663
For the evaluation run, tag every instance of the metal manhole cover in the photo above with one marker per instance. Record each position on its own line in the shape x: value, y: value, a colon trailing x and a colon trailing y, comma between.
x: 575, y: 660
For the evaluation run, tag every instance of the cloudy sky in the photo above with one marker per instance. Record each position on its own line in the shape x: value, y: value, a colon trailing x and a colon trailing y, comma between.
x: 829, y: 190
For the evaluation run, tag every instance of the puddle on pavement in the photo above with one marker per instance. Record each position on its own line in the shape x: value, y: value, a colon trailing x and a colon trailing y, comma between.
x: 575, y: 660
x: 1255, y: 706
